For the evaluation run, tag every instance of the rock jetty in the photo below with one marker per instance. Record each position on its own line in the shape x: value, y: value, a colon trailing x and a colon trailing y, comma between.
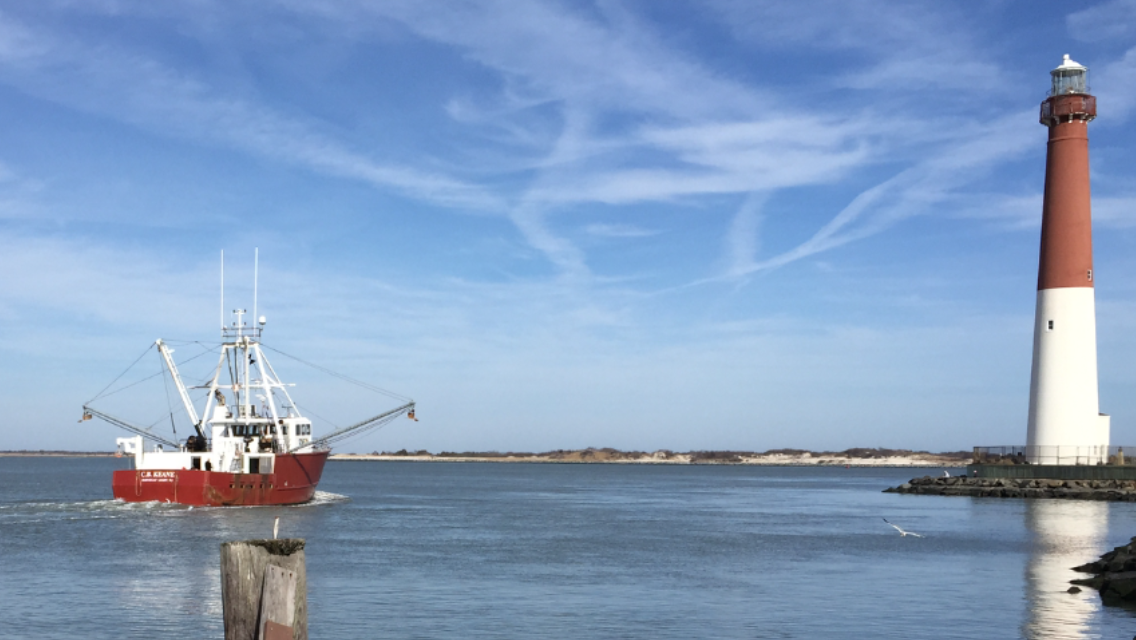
x: 1115, y: 490
x: 1115, y: 577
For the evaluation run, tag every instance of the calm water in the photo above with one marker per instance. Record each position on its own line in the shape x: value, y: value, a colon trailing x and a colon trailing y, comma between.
x: 421, y: 550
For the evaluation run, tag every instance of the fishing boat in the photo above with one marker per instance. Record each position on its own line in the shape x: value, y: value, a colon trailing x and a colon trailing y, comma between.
x: 251, y: 444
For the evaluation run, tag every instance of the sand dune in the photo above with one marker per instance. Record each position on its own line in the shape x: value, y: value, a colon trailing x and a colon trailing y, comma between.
x: 850, y: 457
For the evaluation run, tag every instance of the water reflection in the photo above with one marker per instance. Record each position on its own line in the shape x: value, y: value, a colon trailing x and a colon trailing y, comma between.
x: 1065, y: 533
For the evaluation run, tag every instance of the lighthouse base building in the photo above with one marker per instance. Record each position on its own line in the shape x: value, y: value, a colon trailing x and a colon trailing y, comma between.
x: 1065, y: 423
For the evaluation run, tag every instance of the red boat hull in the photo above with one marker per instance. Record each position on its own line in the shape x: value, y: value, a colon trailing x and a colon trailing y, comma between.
x: 293, y: 481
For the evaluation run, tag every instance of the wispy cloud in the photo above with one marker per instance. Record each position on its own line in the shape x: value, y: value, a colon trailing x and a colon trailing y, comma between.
x: 605, y: 230
x: 6, y: 174
x: 625, y: 117
x: 1114, y: 20
x: 1014, y: 212
x: 1117, y: 212
x: 141, y: 91
x: 913, y: 45
x: 912, y: 192
x: 695, y: 133
x: 704, y: 134
x: 742, y: 240
x: 603, y: 59
x: 1115, y: 85
x: 716, y: 158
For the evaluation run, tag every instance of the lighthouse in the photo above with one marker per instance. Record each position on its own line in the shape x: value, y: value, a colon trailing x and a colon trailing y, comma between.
x: 1065, y: 423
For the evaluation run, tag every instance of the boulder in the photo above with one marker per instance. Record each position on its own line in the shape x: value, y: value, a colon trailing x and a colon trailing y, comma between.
x: 1115, y: 577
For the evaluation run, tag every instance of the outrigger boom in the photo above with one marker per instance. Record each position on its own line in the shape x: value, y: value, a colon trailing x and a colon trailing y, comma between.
x: 167, y: 356
x: 369, y: 423
x: 133, y: 428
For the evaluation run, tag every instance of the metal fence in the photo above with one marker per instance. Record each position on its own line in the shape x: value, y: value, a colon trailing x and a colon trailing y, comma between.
x: 1057, y: 454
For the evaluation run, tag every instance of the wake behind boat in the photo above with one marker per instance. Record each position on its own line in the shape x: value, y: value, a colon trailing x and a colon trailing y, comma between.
x: 251, y: 444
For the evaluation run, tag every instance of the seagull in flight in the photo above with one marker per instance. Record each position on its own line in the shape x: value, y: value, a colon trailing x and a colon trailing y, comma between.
x: 903, y: 533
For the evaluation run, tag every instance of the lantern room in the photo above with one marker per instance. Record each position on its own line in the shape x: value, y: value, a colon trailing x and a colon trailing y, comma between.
x: 1069, y: 77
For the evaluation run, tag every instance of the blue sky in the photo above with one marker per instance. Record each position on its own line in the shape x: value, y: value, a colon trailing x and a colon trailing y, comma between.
x: 638, y: 224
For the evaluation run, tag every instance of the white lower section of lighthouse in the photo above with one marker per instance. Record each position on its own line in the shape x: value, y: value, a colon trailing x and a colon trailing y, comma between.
x: 1065, y: 424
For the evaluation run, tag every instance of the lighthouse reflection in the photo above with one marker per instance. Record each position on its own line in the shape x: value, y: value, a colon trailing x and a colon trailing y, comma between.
x: 1065, y: 533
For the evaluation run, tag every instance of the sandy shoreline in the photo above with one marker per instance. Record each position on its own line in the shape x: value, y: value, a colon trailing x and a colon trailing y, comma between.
x: 775, y: 460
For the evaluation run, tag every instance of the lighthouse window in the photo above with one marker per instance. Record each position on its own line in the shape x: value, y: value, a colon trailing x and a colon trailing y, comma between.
x: 1050, y: 326
x: 1090, y: 275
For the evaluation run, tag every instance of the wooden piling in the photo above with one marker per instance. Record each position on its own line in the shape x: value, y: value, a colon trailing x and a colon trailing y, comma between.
x: 264, y: 590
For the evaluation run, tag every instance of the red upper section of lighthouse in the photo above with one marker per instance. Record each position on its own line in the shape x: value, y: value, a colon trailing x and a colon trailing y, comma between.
x: 1066, y: 221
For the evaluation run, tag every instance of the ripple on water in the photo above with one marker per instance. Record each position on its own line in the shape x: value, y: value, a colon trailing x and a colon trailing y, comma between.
x: 40, y: 511
x: 32, y: 512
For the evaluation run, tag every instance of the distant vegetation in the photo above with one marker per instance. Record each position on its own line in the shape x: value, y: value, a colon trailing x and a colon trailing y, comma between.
x: 607, y: 453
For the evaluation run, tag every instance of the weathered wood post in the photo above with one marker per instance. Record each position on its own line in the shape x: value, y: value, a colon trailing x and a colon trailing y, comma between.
x: 264, y: 590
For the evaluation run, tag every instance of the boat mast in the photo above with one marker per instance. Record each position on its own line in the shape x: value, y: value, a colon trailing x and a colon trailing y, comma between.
x: 222, y: 291
x: 240, y: 362
x: 255, y: 278
x: 247, y: 352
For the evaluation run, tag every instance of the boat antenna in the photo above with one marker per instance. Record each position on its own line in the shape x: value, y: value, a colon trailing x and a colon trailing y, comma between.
x: 255, y: 277
x: 222, y: 289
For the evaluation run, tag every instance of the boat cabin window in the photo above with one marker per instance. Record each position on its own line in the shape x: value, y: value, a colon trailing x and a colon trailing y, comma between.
x: 284, y: 430
x: 195, y: 462
x: 303, y: 429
